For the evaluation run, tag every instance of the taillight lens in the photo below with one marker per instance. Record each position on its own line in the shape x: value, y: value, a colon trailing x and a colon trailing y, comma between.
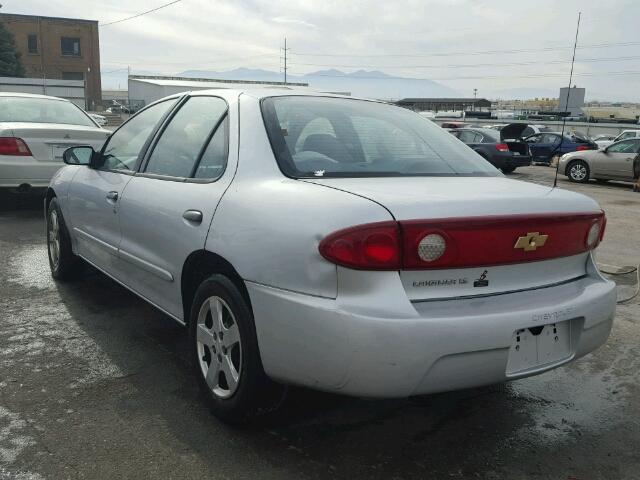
x: 463, y: 242
x: 580, y: 148
x: 502, y: 147
x: 374, y: 246
x: 14, y: 147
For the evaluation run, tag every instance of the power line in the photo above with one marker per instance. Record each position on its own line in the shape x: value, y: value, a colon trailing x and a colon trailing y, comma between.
x: 481, y: 52
x: 473, y: 65
x: 140, y: 14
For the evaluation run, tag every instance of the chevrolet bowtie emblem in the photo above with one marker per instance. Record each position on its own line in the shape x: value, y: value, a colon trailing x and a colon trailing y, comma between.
x: 531, y: 241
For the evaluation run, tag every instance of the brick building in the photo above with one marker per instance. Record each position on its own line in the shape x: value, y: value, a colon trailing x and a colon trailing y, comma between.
x: 61, y: 48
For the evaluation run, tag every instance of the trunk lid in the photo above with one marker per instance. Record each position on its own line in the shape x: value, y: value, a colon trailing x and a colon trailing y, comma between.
x: 512, y: 135
x: 48, y: 141
x: 420, y: 198
x: 513, y: 131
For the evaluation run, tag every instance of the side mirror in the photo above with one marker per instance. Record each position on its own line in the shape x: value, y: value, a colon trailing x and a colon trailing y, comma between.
x: 78, y: 155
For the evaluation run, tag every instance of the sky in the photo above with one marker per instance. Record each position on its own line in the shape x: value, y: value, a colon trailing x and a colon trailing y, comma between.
x: 502, y: 48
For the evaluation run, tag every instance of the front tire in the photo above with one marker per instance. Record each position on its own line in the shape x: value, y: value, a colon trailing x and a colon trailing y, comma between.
x: 578, y: 171
x: 65, y: 265
x: 225, y: 354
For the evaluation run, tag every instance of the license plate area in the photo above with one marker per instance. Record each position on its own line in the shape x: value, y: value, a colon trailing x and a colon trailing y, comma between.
x: 535, y: 347
x: 58, y: 151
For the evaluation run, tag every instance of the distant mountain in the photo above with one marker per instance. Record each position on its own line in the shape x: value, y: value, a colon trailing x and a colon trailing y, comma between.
x: 370, y: 84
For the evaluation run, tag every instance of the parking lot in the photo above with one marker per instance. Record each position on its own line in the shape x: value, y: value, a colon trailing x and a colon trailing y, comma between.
x: 94, y: 384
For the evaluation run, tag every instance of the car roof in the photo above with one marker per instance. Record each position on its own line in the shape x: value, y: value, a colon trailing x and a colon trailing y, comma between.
x: 30, y: 95
x: 268, y: 91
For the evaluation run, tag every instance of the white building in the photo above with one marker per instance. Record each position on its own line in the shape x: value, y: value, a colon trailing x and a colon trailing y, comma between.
x: 69, y: 89
x: 151, y: 88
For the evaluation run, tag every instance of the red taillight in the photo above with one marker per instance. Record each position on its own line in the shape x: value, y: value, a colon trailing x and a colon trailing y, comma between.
x: 14, y: 146
x: 463, y: 242
x: 502, y: 147
x: 375, y: 246
x: 580, y: 148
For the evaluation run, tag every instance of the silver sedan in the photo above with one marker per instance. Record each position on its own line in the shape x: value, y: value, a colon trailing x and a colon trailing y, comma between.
x: 615, y: 162
x: 341, y: 244
x: 35, y: 130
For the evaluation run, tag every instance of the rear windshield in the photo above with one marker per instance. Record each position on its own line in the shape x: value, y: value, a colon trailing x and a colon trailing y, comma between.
x: 42, y: 110
x: 337, y: 137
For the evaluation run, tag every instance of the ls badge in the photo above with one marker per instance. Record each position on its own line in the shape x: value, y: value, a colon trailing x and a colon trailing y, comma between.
x: 531, y: 241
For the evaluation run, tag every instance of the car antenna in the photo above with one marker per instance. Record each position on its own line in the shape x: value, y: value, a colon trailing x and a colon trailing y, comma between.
x: 566, y: 103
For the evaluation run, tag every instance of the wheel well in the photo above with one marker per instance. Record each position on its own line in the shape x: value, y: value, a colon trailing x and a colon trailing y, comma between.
x: 200, y: 265
x: 47, y: 199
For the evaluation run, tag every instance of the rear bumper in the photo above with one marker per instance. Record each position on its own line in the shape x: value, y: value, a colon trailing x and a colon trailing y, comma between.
x: 351, y: 346
x: 17, y: 171
x: 508, y: 159
x: 518, y: 161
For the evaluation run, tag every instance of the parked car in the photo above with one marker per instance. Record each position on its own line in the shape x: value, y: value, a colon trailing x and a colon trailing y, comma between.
x: 340, y: 244
x: 603, y: 140
x: 545, y: 146
x: 625, y: 135
x: 533, y: 129
x: 614, y: 162
x: 503, y: 149
x: 35, y: 130
x: 99, y: 119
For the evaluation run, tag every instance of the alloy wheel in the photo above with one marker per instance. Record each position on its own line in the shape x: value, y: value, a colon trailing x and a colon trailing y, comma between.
x: 54, y: 238
x: 219, y: 347
x: 578, y: 172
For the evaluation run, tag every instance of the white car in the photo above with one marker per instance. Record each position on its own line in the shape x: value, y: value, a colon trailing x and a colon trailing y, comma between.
x: 99, y: 119
x: 625, y: 135
x: 35, y: 130
x: 340, y: 244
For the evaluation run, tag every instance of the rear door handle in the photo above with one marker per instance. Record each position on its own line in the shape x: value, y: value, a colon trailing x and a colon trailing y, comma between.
x: 194, y: 216
x: 112, y: 196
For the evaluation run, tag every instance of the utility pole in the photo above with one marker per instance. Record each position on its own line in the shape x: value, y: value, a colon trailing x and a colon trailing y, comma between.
x: 285, y: 60
x: 128, y: 97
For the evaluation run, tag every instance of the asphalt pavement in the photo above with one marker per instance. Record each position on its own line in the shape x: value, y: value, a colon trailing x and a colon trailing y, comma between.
x: 94, y: 383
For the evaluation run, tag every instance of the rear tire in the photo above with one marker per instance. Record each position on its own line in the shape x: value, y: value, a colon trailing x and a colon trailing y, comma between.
x: 65, y: 265
x: 225, y: 354
x: 507, y: 170
x: 578, y: 171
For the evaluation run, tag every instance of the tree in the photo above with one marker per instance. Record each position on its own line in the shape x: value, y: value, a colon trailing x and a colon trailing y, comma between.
x: 10, y: 64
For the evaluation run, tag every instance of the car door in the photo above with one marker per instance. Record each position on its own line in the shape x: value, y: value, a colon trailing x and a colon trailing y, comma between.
x: 167, y: 207
x: 95, y: 192
x: 537, y: 148
x: 617, y: 160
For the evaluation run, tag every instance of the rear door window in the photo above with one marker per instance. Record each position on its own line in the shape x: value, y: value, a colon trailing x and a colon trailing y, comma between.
x: 468, y: 136
x: 214, y: 159
x: 181, y: 144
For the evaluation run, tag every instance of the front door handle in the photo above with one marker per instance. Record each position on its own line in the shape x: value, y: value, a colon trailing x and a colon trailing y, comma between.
x: 194, y: 216
x: 112, y: 196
